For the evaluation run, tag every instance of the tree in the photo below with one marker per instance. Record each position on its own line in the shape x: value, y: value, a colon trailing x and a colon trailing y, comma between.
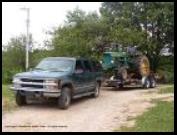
x: 76, y: 16
x: 13, y: 57
x: 149, y: 25
x: 14, y: 53
x: 78, y: 39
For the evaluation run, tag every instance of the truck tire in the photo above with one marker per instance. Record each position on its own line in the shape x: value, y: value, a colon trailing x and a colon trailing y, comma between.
x: 143, y: 65
x: 20, y: 100
x: 97, y: 90
x: 65, y: 98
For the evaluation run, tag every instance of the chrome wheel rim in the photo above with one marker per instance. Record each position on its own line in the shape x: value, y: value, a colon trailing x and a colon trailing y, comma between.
x: 67, y: 100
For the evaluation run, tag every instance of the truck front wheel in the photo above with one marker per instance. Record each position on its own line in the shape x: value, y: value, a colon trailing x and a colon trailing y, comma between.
x: 65, y: 98
x: 20, y: 100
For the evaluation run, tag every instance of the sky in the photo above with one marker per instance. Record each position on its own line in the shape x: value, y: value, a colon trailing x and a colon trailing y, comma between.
x: 43, y: 17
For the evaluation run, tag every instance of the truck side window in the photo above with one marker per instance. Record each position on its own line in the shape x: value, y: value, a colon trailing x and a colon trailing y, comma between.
x: 98, y: 66
x: 93, y: 66
x: 87, y: 66
x: 79, y: 67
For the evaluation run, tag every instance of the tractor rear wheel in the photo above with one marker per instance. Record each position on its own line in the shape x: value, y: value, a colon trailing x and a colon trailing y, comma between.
x: 143, y: 65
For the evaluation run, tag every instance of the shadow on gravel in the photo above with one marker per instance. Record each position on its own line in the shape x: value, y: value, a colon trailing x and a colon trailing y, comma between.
x: 81, y: 100
x: 41, y: 104
x: 52, y: 103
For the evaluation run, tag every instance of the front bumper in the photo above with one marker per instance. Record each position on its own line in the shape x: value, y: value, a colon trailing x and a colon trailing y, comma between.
x: 37, y: 92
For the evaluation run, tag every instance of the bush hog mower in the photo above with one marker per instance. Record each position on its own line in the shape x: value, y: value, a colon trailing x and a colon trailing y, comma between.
x: 127, y: 67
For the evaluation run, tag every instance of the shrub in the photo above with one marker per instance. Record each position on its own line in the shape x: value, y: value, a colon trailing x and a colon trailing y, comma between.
x: 7, y: 75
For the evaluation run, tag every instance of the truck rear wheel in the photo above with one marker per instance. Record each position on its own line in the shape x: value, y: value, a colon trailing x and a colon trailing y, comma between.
x: 20, y: 100
x: 97, y: 90
x: 65, y: 98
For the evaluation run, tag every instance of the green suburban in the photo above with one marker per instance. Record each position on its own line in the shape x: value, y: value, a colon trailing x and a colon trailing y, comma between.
x: 64, y: 78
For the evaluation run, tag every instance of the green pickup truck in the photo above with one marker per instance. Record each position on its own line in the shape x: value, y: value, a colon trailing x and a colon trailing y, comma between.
x: 64, y: 78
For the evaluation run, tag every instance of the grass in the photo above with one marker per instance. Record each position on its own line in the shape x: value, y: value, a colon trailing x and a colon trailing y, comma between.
x: 157, y: 119
x: 8, y: 98
x: 169, y: 89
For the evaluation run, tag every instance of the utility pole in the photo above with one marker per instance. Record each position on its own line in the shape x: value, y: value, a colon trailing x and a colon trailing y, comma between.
x: 27, y: 36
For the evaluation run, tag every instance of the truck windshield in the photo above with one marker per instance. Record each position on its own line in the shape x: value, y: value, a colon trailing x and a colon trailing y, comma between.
x: 55, y: 65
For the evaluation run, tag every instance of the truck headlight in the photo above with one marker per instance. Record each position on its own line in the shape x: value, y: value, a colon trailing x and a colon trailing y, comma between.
x: 52, y: 84
x: 16, y: 82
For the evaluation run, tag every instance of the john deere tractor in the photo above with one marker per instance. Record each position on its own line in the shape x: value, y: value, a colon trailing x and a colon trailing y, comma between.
x: 127, y: 67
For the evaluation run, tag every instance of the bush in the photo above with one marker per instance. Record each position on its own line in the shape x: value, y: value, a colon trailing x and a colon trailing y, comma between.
x: 166, y: 69
x: 169, y: 77
x: 7, y: 75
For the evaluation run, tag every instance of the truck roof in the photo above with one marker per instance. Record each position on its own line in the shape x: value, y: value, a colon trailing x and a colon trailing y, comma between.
x: 59, y: 58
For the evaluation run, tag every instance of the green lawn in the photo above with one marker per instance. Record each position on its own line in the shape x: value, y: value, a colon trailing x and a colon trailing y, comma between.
x: 169, y: 89
x: 8, y: 98
x: 157, y: 119
x: 7, y: 93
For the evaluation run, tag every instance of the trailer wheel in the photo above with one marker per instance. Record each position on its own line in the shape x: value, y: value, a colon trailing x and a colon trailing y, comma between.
x: 152, y: 82
x: 121, y: 86
x: 146, y: 82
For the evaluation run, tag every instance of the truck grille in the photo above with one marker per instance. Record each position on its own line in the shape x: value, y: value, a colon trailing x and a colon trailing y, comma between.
x: 31, y: 80
x: 32, y: 85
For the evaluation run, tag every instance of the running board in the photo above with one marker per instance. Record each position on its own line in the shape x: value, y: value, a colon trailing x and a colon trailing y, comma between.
x: 82, y: 95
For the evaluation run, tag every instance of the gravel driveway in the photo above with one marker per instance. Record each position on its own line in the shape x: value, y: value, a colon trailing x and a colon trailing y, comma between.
x: 105, y: 113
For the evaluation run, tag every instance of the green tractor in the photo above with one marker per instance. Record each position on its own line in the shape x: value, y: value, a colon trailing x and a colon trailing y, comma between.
x: 127, y: 67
